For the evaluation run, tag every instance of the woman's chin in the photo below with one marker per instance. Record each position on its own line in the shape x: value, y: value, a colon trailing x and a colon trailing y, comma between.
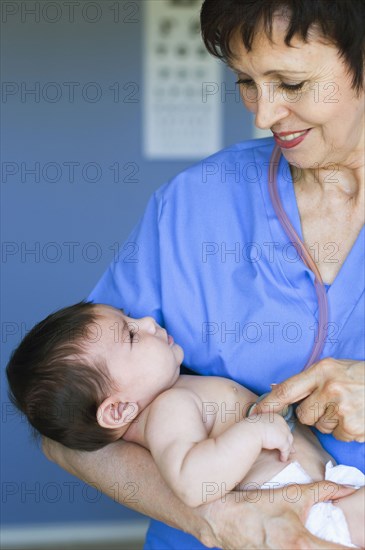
x: 300, y: 160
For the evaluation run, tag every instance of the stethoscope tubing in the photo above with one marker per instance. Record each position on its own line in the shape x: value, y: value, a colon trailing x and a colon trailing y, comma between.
x: 305, y: 256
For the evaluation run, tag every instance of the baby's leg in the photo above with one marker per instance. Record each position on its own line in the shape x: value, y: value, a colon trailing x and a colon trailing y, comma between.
x: 353, y: 507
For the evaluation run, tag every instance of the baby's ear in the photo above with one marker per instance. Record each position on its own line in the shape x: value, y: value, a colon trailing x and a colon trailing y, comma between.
x: 113, y: 413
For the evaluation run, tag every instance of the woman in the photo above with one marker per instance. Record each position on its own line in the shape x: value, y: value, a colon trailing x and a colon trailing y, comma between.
x: 216, y: 268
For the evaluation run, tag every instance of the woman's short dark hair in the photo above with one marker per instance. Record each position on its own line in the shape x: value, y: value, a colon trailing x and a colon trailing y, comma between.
x: 341, y: 22
x: 57, y: 384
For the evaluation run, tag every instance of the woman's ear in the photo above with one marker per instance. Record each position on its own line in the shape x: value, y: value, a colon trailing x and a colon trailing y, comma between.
x: 113, y: 413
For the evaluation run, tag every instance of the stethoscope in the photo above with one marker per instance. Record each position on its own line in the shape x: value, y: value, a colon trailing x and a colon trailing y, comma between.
x: 320, y: 289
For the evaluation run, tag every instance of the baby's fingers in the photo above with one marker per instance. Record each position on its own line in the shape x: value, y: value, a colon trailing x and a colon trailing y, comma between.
x: 286, y: 449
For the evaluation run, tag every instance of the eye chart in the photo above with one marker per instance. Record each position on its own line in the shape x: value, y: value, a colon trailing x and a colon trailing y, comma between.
x: 182, y: 108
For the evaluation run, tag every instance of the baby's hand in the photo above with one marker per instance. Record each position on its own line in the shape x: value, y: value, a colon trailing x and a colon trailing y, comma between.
x: 275, y: 434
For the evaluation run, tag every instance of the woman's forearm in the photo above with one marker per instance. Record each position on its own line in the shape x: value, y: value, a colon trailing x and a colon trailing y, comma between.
x: 127, y: 473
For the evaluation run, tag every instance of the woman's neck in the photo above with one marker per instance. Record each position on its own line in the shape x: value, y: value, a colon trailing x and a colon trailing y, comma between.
x: 338, y: 182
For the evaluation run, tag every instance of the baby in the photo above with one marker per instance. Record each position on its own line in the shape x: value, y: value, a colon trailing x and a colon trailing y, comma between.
x: 88, y: 375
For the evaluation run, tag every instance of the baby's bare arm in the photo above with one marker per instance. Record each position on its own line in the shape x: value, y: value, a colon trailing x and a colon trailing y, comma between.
x: 223, y: 524
x: 190, y: 460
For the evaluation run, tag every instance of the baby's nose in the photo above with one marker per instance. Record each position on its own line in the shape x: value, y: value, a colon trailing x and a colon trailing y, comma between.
x: 150, y: 324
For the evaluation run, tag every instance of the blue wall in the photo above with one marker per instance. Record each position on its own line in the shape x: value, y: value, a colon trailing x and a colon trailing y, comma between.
x: 59, y: 231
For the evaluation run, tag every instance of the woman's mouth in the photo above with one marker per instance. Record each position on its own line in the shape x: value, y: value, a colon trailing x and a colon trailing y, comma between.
x: 170, y: 340
x: 287, y: 140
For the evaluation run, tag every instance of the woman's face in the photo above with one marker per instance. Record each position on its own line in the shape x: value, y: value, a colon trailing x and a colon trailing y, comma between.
x: 320, y: 105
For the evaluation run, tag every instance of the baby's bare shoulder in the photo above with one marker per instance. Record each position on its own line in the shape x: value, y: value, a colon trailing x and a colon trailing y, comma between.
x: 174, y: 413
x: 179, y: 396
x: 217, y: 390
x: 208, y: 397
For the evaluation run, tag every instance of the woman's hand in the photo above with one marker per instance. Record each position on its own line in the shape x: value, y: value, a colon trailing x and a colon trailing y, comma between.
x: 269, y: 518
x: 332, y: 395
x: 272, y: 519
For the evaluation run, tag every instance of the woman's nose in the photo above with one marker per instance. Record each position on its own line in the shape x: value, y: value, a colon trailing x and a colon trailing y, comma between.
x: 269, y: 108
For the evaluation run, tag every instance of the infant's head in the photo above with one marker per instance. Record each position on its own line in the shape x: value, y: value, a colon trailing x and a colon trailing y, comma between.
x: 85, y: 372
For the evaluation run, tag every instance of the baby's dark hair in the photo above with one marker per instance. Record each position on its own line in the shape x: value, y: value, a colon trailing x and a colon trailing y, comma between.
x: 57, y: 384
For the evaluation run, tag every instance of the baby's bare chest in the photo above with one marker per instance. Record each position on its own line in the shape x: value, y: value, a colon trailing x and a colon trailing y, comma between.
x: 222, y: 402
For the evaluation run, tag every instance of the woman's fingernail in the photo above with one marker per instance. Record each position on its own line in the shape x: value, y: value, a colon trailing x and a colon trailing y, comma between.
x: 274, y: 384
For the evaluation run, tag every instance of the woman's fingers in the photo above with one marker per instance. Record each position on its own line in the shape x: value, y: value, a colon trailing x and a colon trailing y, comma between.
x: 337, y: 404
x: 325, y: 425
x: 331, y: 394
x: 314, y: 412
x: 312, y: 409
x: 306, y: 496
x: 290, y: 391
x: 345, y: 428
x: 350, y: 429
x: 274, y: 521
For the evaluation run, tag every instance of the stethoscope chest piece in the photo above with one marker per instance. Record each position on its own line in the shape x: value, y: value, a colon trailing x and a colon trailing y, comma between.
x: 288, y: 413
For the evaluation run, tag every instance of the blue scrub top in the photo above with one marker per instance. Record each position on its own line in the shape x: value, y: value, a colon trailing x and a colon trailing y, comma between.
x: 210, y: 262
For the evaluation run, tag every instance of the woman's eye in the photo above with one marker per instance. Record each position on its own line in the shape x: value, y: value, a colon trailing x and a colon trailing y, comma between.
x: 291, y: 87
x: 245, y: 82
x: 282, y: 85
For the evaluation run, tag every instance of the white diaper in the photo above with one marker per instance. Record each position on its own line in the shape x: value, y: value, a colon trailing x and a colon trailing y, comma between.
x: 325, y: 520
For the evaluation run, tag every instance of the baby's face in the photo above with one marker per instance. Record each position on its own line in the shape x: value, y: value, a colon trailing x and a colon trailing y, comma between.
x: 141, y: 357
